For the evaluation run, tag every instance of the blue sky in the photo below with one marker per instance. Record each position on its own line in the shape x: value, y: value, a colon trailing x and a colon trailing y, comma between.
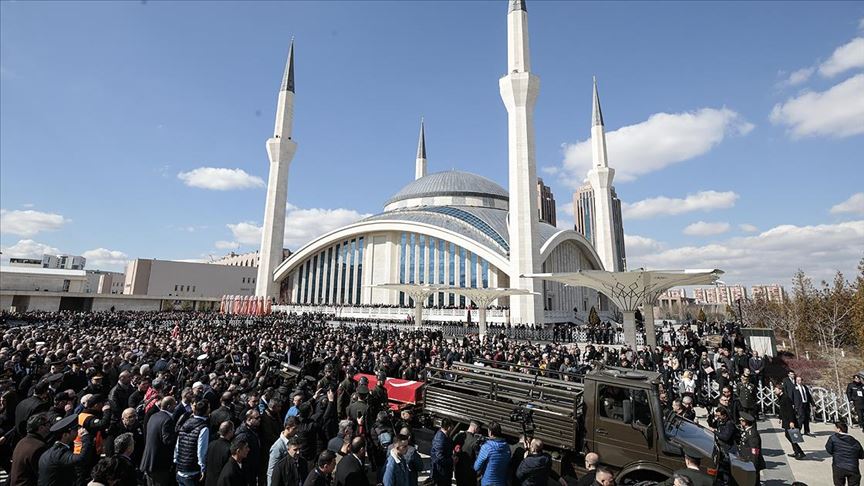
x: 718, y: 115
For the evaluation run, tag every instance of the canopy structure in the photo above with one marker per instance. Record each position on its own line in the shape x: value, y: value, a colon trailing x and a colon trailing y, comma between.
x: 480, y: 296
x: 629, y: 290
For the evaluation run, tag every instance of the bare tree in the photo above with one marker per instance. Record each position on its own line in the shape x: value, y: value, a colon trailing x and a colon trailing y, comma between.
x: 798, y: 309
x: 834, y: 311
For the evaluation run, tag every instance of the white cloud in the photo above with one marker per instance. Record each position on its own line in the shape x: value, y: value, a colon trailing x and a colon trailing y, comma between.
x: 846, y: 57
x: 640, y: 245
x: 837, y: 112
x: 101, y: 258
x: 748, y: 228
x: 226, y: 245
x: 246, y: 233
x: 301, y: 225
x: 220, y: 179
x: 770, y: 256
x: 662, y: 205
x: 29, y: 222
x: 854, y: 205
x: 701, y: 228
x: 662, y: 140
x: 27, y: 249
x: 800, y: 76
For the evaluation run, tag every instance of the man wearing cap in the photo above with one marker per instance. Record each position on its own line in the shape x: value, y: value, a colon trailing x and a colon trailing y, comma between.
x: 57, y: 465
x: 344, y: 392
x: 692, y: 461
x: 378, y: 399
x: 96, y: 418
x: 750, y: 446
x: 855, y: 395
x: 25, y: 457
x: 360, y: 408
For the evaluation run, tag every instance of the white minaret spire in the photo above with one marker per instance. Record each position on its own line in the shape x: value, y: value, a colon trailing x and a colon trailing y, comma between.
x: 600, y: 176
x: 420, y: 165
x: 519, y: 89
x: 280, y: 150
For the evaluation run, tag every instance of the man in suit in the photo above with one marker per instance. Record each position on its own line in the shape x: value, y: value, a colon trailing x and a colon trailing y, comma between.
x: 25, y: 457
x: 350, y: 470
x: 36, y: 403
x: 232, y: 472
x: 789, y: 384
x: 57, y: 464
x: 803, y: 399
x: 158, y: 458
x: 442, y: 454
x: 322, y: 474
x: 292, y: 468
x: 788, y: 419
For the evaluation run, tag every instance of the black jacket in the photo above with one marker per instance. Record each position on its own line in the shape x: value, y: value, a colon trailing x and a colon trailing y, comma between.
x: 159, y: 443
x: 231, y: 475
x: 218, y: 454
x: 846, y: 451
x: 317, y: 478
x: 787, y: 411
x: 289, y: 471
x: 57, y: 464
x: 534, y: 470
x: 350, y: 472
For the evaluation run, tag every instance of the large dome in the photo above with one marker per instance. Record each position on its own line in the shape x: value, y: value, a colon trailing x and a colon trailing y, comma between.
x: 460, y: 188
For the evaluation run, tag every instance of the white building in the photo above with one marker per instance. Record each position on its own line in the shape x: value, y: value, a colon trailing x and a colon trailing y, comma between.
x: 166, y: 278
x: 452, y: 227
x: 68, y: 262
x: 15, y: 278
x: 104, y: 282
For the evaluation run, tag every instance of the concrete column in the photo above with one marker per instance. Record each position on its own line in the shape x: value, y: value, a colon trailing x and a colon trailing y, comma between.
x: 650, y: 333
x: 418, y: 311
x: 630, y: 328
x: 481, y: 320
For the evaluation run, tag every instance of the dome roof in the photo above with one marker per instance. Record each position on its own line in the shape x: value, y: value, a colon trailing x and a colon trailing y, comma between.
x: 450, y: 183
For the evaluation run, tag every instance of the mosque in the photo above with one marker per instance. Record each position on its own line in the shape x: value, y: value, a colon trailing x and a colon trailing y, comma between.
x: 453, y: 228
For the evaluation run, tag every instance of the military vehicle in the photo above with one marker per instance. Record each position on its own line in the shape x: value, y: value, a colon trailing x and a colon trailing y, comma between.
x: 615, y: 412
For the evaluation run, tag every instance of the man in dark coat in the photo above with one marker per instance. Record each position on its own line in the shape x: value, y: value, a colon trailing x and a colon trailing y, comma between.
x: 57, y: 465
x: 232, y: 472
x: 292, y: 468
x: 536, y: 468
x: 223, y: 413
x: 219, y: 453
x: 322, y: 474
x: 350, y: 470
x: 802, y: 399
x: 128, y: 423
x: 37, y: 403
x: 846, y: 453
x: 248, y: 431
x: 158, y: 458
x: 441, y: 454
x: 788, y: 419
x: 25, y: 457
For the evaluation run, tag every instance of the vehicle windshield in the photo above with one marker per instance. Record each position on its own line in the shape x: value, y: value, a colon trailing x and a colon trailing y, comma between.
x: 681, y: 432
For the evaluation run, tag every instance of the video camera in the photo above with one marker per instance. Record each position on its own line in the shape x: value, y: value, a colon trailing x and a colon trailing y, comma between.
x: 525, y: 416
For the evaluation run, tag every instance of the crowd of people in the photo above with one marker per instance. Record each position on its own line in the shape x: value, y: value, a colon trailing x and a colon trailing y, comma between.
x: 185, y: 398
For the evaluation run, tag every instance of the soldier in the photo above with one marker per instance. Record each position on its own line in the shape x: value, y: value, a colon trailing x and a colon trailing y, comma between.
x: 747, y: 396
x: 344, y: 392
x: 378, y: 399
x: 57, y: 464
x: 692, y: 462
x: 750, y: 444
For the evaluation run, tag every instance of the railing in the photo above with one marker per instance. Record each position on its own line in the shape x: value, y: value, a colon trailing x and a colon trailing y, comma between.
x: 827, y: 406
x: 499, y: 316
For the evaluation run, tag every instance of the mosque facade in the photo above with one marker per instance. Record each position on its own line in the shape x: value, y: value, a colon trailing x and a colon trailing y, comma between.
x: 453, y: 228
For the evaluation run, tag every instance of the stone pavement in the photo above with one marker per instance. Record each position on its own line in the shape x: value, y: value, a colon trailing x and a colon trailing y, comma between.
x: 813, y: 470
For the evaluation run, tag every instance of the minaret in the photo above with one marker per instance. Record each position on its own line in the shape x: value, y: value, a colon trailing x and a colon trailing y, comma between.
x: 280, y: 150
x: 519, y: 89
x: 420, y: 166
x: 600, y: 176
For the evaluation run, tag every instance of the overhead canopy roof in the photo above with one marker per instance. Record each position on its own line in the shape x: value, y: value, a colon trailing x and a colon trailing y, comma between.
x: 629, y: 290
x: 481, y: 296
